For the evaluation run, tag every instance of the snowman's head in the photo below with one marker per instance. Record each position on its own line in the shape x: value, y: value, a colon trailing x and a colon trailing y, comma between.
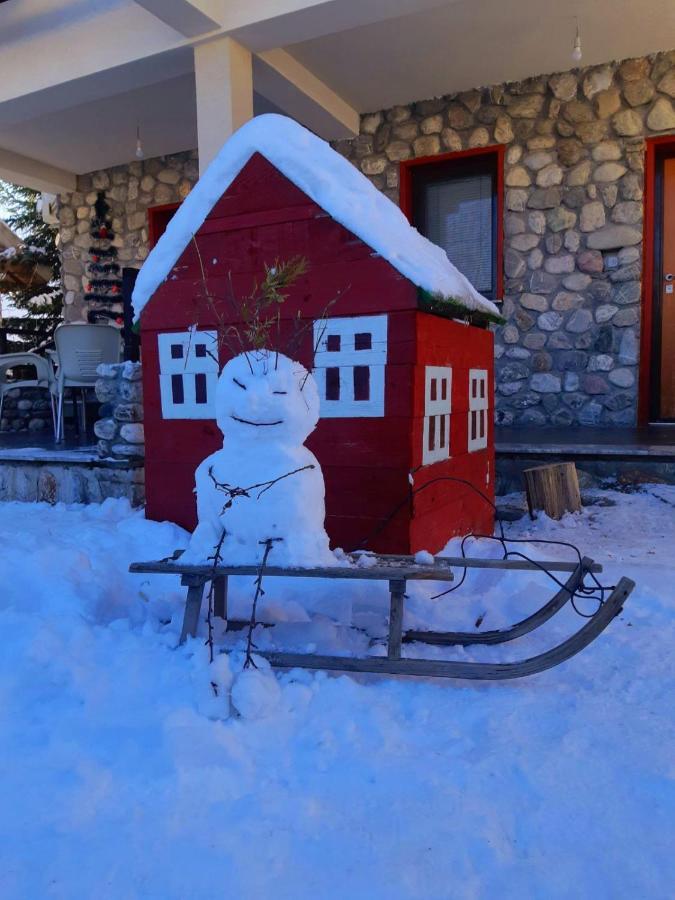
x: 263, y: 395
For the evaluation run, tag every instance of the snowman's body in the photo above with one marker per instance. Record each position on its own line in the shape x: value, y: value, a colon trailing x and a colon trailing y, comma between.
x: 264, y: 484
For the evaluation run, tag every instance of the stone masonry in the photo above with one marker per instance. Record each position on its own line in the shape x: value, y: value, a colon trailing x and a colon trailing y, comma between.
x: 120, y: 427
x: 573, y: 220
x: 130, y: 191
x: 27, y: 409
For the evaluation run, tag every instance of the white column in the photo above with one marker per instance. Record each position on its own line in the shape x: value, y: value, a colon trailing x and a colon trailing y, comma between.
x: 224, y: 84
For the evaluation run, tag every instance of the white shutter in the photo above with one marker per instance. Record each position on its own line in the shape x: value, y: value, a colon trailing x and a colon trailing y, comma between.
x: 478, y: 409
x: 188, y: 372
x: 349, y: 365
x: 437, y: 408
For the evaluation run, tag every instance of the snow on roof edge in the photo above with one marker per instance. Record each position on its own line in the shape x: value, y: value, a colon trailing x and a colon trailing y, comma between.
x: 331, y: 182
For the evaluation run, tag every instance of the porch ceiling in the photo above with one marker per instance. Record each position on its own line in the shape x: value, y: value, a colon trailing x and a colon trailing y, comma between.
x: 113, y: 64
x: 474, y: 43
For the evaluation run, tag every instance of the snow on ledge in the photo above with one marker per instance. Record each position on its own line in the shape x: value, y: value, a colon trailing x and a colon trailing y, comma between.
x: 330, y: 181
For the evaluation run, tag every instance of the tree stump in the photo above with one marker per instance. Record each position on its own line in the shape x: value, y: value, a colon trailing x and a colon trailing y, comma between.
x: 553, y: 488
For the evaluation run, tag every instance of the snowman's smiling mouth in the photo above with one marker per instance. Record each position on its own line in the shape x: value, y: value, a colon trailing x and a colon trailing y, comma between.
x: 256, y: 424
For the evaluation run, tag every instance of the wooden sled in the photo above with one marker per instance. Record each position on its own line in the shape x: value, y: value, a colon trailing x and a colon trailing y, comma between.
x: 398, y: 570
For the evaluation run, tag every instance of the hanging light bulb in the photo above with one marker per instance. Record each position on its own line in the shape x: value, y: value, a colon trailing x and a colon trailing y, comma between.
x: 139, y: 146
x: 576, y: 50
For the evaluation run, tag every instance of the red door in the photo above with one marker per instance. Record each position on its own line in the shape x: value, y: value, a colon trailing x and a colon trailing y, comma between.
x: 665, y: 307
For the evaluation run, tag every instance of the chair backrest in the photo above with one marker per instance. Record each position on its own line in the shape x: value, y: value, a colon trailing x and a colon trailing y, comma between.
x: 82, y: 348
x: 43, y: 377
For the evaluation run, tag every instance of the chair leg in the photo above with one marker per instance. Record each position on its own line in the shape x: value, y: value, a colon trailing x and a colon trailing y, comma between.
x: 54, y: 423
x: 59, y: 417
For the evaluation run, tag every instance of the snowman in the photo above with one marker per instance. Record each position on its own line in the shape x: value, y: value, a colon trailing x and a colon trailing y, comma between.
x: 264, y: 488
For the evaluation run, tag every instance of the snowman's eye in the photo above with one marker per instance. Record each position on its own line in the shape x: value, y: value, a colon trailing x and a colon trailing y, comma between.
x: 239, y: 384
x: 280, y: 392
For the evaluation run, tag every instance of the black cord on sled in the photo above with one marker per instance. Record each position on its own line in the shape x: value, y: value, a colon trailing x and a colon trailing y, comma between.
x: 594, y: 592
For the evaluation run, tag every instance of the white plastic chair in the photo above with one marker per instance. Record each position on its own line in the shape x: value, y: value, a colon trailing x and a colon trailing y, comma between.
x: 44, y: 377
x: 80, y: 350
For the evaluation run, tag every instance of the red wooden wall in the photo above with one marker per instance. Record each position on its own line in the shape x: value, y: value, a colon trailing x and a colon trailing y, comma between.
x: 262, y: 217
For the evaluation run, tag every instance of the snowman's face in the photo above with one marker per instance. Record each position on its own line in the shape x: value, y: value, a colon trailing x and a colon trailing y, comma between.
x: 263, y: 395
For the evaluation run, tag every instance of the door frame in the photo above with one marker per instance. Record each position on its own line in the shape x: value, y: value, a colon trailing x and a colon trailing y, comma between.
x: 655, y: 150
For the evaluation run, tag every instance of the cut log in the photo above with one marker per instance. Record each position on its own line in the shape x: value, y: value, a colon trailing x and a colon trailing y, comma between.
x: 553, y: 488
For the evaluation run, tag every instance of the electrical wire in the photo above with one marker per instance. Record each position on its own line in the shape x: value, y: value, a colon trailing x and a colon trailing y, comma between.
x: 594, y: 592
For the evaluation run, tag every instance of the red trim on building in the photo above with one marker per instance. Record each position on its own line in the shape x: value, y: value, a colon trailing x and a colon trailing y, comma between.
x: 647, y: 318
x: 406, y: 198
x: 158, y: 218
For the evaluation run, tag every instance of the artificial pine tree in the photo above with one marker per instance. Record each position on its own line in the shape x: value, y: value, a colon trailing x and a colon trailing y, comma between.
x: 104, y: 287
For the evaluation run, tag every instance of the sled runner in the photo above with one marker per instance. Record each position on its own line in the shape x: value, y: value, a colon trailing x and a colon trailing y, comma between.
x: 398, y: 570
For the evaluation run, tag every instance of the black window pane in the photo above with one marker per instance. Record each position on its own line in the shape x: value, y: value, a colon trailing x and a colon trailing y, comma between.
x: 176, y: 351
x: 200, y: 349
x: 177, y: 389
x: 361, y: 382
x: 333, y: 343
x: 200, y: 388
x: 432, y: 433
x: 363, y: 341
x: 332, y: 384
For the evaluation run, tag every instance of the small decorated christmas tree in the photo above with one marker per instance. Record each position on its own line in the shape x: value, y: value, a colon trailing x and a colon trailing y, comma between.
x: 104, y: 285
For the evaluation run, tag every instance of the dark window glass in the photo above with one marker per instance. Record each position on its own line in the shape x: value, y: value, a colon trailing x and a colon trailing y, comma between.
x: 441, y: 442
x: 455, y: 206
x: 177, y: 389
x: 363, y: 341
x: 432, y: 390
x: 333, y: 343
x: 432, y: 432
x: 444, y: 389
x: 361, y: 382
x: 200, y: 388
x: 200, y: 349
x: 176, y: 351
x: 473, y: 425
x: 332, y: 384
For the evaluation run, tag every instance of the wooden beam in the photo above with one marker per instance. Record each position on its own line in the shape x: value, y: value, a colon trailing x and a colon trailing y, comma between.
x: 281, y: 79
x: 27, y: 172
x: 181, y: 15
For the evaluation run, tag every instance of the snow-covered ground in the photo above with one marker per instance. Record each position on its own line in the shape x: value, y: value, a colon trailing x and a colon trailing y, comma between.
x: 122, y: 776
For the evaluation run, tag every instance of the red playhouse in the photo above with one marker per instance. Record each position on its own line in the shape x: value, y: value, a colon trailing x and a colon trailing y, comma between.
x: 395, y: 335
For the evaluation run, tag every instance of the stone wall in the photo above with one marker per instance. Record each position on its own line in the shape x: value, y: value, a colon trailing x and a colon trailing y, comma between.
x: 119, y: 428
x: 27, y: 409
x: 574, y: 164
x: 130, y: 190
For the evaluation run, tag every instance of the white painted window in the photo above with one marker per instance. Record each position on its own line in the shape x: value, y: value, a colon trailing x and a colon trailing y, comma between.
x: 478, y: 409
x: 349, y: 363
x: 437, y: 407
x: 188, y: 372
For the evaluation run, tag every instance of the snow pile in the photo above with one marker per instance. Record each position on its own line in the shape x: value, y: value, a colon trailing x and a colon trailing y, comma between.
x: 331, y: 182
x: 127, y: 774
x: 264, y: 485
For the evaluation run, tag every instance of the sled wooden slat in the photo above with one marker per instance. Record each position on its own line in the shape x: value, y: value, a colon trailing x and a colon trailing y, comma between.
x: 473, y: 671
x: 396, y: 567
x: 406, y: 572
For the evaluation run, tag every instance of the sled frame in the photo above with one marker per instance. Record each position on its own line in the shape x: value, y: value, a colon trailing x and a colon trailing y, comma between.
x: 398, y: 570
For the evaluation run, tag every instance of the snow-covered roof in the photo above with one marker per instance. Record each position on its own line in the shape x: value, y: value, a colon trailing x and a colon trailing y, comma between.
x: 331, y: 182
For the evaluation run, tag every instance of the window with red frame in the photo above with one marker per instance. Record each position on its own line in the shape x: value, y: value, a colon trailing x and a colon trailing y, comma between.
x: 455, y: 205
